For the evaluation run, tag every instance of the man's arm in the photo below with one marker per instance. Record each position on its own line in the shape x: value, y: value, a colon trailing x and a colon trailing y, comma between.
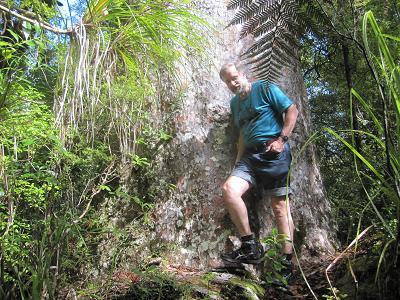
x: 289, y: 122
x: 240, y: 148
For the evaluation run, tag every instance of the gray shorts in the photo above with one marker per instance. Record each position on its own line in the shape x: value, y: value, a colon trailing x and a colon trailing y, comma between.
x: 270, y: 170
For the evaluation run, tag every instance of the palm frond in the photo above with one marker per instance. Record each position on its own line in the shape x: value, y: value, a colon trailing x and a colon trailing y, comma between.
x: 130, y: 45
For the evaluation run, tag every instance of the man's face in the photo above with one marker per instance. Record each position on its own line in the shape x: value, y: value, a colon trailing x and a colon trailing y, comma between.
x: 234, y: 80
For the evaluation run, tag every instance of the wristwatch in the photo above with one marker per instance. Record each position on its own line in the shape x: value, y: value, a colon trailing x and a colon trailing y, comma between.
x: 284, y: 138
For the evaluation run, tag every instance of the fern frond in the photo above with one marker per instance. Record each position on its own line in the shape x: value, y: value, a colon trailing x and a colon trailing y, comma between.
x: 264, y: 28
x: 258, y: 8
x: 239, y: 3
x: 289, y: 49
x: 276, y: 26
x: 258, y: 19
x: 260, y: 44
x: 290, y: 7
x: 311, y: 17
x: 264, y: 57
x: 267, y: 73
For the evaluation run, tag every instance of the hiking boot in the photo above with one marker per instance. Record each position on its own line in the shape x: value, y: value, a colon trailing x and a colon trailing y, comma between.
x: 250, y: 252
x: 287, y: 271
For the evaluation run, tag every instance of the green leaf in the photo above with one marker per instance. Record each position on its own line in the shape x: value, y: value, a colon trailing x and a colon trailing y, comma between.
x: 281, y: 278
x: 16, y: 36
x: 165, y: 136
x: 104, y: 187
x: 368, y: 108
x: 140, y: 161
x: 37, y: 28
x: 4, y: 44
x: 361, y: 157
x: 277, y: 265
x: 28, y: 142
x: 30, y: 43
x: 27, y: 25
x: 8, y: 53
x: 392, y: 37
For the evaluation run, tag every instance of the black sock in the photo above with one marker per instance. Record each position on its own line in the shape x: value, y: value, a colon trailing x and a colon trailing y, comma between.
x: 247, y: 238
x: 288, y: 256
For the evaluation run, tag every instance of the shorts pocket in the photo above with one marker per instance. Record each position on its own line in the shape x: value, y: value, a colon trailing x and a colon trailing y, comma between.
x: 271, y: 155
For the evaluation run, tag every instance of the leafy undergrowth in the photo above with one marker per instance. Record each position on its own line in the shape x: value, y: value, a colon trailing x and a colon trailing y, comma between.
x: 176, y: 282
x: 163, y: 281
x: 149, y: 285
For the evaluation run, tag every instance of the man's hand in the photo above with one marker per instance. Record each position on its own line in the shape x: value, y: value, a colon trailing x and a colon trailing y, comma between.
x: 275, y: 145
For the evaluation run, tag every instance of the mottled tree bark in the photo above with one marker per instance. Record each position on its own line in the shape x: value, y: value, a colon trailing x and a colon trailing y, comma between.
x: 200, y: 158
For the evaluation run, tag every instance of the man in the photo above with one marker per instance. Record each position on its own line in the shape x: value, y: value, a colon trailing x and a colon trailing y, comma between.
x: 265, y: 118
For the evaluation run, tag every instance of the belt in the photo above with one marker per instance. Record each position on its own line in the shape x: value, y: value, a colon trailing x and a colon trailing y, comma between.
x: 260, y: 147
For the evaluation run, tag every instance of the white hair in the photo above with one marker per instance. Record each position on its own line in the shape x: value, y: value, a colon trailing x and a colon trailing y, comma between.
x: 224, y: 69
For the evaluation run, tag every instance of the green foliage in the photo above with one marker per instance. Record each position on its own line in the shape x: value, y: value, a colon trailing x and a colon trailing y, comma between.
x: 155, y: 285
x: 329, y: 89
x: 60, y: 167
x: 335, y: 295
x: 277, y: 27
x: 135, y: 49
x: 375, y: 161
x: 274, y: 25
x: 274, y: 261
x: 208, y: 277
x: 150, y: 283
x: 39, y: 187
x: 42, y: 8
x: 143, y: 206
x: 379, y: 170
x: 28, y: 145
x: 387, y: 73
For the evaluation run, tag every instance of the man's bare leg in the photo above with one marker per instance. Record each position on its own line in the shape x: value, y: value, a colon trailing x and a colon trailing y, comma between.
x: 284, y: 221
x: 233, y: 190
x: 251, y: 251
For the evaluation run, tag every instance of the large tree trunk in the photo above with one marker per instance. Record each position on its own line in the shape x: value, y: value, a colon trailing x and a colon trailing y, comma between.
x: 201, y: 156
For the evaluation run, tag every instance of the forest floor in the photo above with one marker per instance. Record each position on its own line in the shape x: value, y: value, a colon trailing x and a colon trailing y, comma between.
x: 224, y: 283
x: 351, y: 276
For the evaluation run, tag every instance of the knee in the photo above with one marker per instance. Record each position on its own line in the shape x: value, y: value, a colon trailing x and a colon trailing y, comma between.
x: 230, y: 190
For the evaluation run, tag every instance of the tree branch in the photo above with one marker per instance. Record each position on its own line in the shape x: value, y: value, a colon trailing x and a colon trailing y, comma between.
x: 41, y: 23
x: 5, y: 23
x: 105, y: 178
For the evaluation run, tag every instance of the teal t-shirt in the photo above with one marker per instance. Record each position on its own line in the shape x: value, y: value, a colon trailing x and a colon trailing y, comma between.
x: 259, y: 115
